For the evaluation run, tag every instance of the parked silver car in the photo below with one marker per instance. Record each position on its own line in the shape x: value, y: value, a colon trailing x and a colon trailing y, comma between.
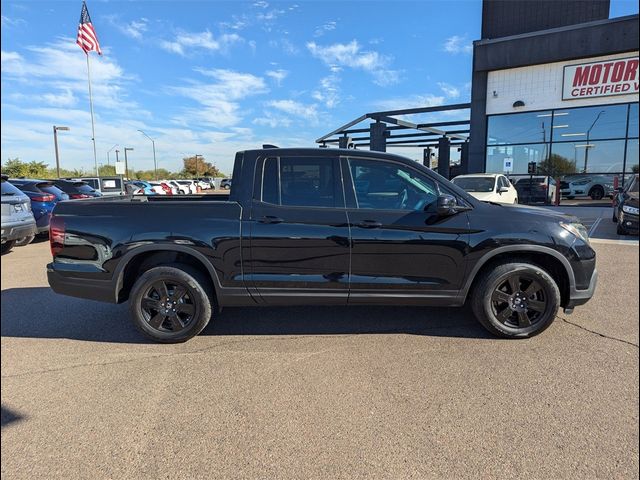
x: 17, y: 218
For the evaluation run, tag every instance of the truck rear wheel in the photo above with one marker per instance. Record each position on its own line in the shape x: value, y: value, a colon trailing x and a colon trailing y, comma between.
x: 515, y: 300
x: 171, y: 303
x: 7, y: 246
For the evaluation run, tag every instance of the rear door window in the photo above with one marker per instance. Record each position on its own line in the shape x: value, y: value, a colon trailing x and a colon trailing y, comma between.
x: 9, y: 189
x: 300, y: 182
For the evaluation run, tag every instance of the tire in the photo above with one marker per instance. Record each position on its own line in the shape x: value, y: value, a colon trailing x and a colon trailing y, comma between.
x: 7, y: 246
x: 227, y: 187
x: 596, y: 193
x: 620, y: 230
x: 508, y: 313
x: 192, y: 294
x: 21, y: 242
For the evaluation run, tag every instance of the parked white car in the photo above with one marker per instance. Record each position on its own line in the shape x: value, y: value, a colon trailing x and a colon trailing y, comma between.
x: 488, y: 187
x: 190, y: 184
x: 179, y: 189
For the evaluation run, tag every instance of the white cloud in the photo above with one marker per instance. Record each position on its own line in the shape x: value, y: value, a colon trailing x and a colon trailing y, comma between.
x: 184, y: 42
x: 449, y: 90
x: 261, y: 4
x: 328, y: 91
x: 414, y: 101
x: 458, y: 44
x: 277, y: 75
x: 324, y: 28
x: 61, y: 67
x: 134, y: 29
x: 12, y: 22
x: 268, y: 119
x: 351, y: 55
x: 219, y: 101
x: 296, y: 109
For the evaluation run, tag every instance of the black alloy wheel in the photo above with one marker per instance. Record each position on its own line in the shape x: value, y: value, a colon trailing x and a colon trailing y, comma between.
x: 515, y: 299
x: 171, y: 303
x: 519, y: 300
x: 168, y: 306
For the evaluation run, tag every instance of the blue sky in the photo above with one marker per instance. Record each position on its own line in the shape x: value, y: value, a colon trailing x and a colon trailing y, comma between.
x: 216, y: 77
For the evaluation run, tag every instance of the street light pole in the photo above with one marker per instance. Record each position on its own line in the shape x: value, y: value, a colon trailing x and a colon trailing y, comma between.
x: 586, y: 150
x: 126, y: 162
x: 55, y: 144
x: 108, y: 151
x: 153, y: 145
x: 197, y: 155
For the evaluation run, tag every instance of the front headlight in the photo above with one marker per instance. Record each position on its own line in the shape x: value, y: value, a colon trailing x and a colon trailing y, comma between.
x: 630, y: 209
x: 577, y: 230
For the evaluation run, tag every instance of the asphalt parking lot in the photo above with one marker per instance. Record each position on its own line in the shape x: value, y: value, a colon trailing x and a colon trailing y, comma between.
x: 318, y: 392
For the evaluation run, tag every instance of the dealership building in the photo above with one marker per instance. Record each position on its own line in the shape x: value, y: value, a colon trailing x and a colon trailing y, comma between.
x: 554, y: 83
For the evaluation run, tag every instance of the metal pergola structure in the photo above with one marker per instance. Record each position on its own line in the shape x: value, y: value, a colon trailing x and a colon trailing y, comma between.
x: 387, y: 130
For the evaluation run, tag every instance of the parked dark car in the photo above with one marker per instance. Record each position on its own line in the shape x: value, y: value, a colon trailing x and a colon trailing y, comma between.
x: 76, y: 189
x: 225, y: 184
x: 44, y: 196
x: 536, y: 189
x: 625, y: 208
x: 322, y: 227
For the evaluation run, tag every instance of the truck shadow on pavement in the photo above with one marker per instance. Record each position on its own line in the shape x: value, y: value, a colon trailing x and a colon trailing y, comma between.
x: 40, y: 313
x: 8, y: 416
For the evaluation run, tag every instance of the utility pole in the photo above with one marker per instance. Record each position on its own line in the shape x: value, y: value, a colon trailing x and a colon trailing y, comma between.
x: 126, y: 161
x: 55, y: 143
x: 588, y: 145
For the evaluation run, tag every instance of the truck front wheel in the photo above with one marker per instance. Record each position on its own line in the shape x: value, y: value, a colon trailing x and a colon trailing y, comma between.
x: 171, y: 303
x: 515, y: 300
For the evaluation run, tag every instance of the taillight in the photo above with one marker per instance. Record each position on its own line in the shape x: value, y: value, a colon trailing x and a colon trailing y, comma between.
x: 43, y: 198
x: 56, y: 235
x: 75, y: 196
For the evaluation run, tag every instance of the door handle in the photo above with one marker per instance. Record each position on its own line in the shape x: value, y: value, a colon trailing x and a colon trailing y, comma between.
x: 270, y: 219
x: 369, y: 224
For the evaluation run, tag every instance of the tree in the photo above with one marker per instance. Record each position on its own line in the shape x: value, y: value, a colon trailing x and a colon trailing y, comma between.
x: 107, y: 170
x: 199, y: 167
x: 556, y: 165
x: 14, y: 167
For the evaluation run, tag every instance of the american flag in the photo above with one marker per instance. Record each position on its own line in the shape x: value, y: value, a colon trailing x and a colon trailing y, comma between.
x: 87, y: 38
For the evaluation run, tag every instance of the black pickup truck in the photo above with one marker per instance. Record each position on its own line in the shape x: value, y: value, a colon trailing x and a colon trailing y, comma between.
x: 321, y: 227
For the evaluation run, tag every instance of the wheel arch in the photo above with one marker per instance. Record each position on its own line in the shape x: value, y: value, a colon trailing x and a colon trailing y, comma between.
x: 552, y: 261
x: 134, y: 262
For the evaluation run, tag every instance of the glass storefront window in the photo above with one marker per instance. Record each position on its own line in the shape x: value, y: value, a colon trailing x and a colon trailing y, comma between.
x: 633, y: 120
x: 590, y: 123
x: 519, y: 128
x: 521, y: 155
x: 632, y: 154
x: 582, y: 157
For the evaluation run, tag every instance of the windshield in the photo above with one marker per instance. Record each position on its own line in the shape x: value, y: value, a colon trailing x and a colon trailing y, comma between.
x: 83, y: 187
x: 475, y: 184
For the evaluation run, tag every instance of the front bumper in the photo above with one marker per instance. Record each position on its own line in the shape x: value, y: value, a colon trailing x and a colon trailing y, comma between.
x: 14, y: 231
x: 629, y: 222
x: 580, y: 297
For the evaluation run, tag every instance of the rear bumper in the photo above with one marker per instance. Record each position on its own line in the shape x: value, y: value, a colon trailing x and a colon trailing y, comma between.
x: 75, y: 281
x: 580, y: 297
x: 14, y: 231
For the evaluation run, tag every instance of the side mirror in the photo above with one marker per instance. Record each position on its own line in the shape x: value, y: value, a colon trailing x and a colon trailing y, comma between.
x: 446, y: 205
x: 503, y: 190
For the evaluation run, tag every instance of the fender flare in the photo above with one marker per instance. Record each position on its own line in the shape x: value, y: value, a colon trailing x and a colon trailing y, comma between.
x: 118, y: 274
x: 517, y: 248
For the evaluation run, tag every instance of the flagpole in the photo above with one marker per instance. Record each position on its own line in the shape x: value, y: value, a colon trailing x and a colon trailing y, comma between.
x: 93, y: 127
